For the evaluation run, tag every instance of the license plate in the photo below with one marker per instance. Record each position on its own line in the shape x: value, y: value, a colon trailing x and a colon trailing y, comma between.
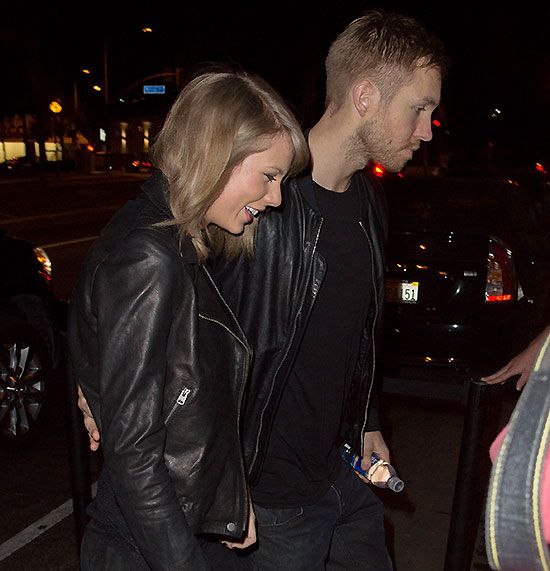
x: 399, y: 291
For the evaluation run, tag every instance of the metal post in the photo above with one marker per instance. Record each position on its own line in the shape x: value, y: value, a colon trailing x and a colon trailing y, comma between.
x: 468, y: 495
x: 75, y: 96
x: 106, y: 71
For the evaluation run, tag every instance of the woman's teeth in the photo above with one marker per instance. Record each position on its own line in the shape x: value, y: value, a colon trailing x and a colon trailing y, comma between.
x: 252, y: 211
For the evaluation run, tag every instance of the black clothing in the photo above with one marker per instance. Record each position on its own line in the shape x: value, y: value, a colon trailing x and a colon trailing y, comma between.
x: 163, y: 365
x: 302, y: 455
x: 343, y: 529
x: 273, y: 294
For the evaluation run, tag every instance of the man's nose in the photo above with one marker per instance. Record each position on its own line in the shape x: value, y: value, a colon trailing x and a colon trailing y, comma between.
x: 424, y: 129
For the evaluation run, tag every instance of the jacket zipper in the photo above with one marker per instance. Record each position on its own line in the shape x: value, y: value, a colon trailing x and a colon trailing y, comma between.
x: 229, y: 310
x: 289, y: 345
x: 373, y: 366
x: 183, y: 396
x: 180, y: 401
x: 243, y: 382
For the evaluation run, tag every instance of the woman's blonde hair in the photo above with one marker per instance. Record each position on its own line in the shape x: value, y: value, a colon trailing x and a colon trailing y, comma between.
x: 218, y: 120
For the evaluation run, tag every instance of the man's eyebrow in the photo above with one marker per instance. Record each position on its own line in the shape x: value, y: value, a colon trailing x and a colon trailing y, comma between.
x: 429, y: 101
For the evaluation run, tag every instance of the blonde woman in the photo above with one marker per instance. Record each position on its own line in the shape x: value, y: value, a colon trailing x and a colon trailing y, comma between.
x: 157, y: 352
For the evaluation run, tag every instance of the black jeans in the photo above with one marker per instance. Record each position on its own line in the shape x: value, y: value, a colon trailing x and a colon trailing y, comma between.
x: 343, y: 530
x: 103, y: 551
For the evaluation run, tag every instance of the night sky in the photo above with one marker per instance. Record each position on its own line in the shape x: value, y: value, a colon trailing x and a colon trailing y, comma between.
x: 500, y: 57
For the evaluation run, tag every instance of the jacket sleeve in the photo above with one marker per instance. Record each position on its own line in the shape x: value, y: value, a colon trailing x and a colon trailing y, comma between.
x: 373, y: 420
x: 136, y: 291
x: 380, y: 205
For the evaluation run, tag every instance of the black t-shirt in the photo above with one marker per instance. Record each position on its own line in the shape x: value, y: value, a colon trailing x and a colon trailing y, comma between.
x: 302, y: 458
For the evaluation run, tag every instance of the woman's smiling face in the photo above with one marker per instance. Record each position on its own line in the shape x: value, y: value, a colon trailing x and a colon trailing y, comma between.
x: 254, y: 185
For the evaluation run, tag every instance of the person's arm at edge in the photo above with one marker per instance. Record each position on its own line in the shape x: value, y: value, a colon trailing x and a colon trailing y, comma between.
x: 522, y: 364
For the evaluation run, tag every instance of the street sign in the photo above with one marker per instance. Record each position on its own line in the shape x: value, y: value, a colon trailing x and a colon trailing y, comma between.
x: 154, y: 89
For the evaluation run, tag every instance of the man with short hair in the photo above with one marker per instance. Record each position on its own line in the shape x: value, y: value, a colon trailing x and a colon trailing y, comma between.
x: 310, y: 300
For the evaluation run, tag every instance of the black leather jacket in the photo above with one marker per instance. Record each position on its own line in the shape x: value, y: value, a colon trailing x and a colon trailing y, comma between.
x: 272, y: 295
x: 163, y: 365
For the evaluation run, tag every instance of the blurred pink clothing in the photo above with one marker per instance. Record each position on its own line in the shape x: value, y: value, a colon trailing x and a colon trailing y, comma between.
x: 545, y: 485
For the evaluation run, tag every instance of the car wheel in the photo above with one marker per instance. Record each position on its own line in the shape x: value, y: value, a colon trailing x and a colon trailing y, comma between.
x: 25, y: 384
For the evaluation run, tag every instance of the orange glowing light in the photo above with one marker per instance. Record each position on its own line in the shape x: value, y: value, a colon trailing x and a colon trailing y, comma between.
x: 55, y: 107
x: 505, y: 297
x: 379, y: 170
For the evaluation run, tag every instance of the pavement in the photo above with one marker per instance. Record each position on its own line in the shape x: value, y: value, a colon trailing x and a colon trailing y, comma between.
x: 425, y: 435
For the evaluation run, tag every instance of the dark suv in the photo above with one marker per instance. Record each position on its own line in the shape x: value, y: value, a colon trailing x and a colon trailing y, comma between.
x: 32, y: 322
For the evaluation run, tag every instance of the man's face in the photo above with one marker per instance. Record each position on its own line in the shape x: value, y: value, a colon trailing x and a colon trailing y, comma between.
x: 395, y: 131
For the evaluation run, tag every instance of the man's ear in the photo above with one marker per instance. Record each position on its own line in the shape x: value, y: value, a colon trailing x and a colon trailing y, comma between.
x: 366, y: 97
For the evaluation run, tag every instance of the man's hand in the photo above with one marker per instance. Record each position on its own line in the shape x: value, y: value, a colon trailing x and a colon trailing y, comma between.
x: 374, y: 442
x: 521, y: 364
x: 250, y: 538
x: 89, y: 422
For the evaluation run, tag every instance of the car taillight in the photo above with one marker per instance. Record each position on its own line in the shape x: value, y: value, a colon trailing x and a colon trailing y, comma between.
x: 501, y: 282
x: 378, y: 170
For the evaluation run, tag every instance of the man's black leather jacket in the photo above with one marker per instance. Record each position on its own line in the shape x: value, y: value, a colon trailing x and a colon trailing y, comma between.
x: 272, y: 295
x: 163, y: 365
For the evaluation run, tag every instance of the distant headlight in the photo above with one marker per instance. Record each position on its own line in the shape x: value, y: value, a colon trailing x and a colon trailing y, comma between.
x: 45, y: 262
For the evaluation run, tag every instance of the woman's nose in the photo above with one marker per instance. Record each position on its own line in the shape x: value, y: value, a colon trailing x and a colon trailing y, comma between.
x: 273, y: 197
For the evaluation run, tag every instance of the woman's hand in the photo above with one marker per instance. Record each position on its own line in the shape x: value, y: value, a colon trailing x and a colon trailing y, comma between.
x: 250, y: 538
x: 89, y: 422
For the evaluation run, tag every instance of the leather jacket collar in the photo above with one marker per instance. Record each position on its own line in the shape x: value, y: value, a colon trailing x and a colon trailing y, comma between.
x: 156, y: 190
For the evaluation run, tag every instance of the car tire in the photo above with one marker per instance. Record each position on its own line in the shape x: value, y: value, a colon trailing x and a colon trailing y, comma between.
x: 26, y: 384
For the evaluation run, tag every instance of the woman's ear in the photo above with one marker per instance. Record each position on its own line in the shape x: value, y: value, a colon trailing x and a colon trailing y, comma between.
x: 366, y: 97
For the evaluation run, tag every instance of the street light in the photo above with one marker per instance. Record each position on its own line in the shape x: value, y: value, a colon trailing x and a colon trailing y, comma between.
x: 144, y: 30
x: 56, y: 108
x: 76, y: 100
x: 105, y: 72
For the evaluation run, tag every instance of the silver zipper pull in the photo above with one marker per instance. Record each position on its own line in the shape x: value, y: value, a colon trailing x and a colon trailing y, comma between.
x: 183, y: 396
